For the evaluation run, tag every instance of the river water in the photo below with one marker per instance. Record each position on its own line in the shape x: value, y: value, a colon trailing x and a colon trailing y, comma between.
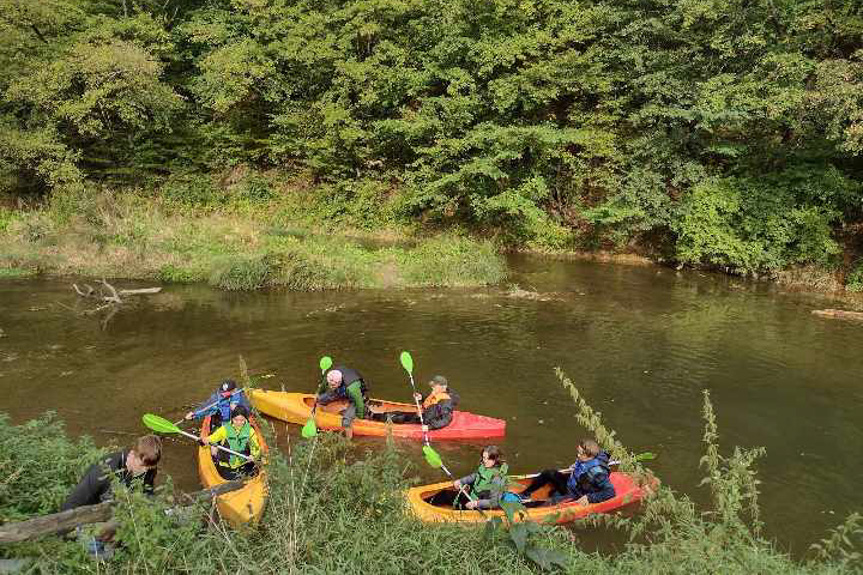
x: 641, y: 343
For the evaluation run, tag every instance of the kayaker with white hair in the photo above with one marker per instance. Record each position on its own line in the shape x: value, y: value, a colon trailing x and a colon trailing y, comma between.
x: 345, y: 383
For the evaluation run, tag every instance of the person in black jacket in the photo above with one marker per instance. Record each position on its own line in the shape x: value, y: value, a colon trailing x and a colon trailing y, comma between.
x: 437, y: 407
x: 137, y: 465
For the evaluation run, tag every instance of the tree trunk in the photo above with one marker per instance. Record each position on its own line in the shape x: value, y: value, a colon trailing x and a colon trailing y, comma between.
x: 68, y: 520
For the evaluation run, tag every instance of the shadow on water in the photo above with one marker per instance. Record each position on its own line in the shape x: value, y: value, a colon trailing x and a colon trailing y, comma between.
x: 642, y: 343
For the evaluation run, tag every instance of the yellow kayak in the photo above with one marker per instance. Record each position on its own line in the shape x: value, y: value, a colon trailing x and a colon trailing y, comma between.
x: 433, y: 503
x: 245, y: 505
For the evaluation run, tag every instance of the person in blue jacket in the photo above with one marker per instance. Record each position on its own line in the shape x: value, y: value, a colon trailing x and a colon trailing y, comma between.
x: 587, y: 480
x: 222, y: 402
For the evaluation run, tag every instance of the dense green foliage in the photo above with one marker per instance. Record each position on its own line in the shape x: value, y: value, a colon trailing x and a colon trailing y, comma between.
x: 39, y: 464
x: 715, y: 132
x: 332, y: 509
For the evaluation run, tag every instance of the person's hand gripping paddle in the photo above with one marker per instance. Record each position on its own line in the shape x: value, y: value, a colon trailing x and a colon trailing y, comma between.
x: 310, y: 429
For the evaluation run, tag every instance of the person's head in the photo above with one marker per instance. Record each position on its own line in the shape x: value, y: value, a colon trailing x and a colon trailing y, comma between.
x: 239, y: 416
x: 144, y: 455
x: 492, y: 456
x: 587, y: 449
x: 227, y: 387
x: 438, y: 383
x: 334, y: 378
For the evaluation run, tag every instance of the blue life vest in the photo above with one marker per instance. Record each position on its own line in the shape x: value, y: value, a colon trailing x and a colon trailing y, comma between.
x: 585, y: 473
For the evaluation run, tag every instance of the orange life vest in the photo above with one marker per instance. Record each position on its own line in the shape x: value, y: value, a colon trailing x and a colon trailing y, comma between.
x: 434, y: 398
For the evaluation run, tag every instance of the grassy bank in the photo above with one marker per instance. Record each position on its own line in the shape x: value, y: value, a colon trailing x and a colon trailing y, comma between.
x: 334, y: 510
x: 238, y: 243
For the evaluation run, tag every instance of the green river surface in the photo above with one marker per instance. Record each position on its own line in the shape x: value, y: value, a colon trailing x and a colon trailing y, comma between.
x: 641, y: 343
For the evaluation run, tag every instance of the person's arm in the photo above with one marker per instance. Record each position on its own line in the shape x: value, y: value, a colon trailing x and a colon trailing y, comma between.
x: 604, y: 488
x: 89, y: 490
x: 217, y: 436
x: 254, y: 445
x: 466, y: 480
x: 356, y: 394
x: 209, y: 407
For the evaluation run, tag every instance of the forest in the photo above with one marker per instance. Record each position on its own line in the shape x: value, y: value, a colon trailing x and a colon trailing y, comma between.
x: 724, y: 134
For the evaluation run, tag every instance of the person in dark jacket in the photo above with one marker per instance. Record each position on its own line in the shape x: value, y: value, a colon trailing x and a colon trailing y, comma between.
x: 345, y: 383
x: 222, y: 402
x: 437, y: 407
x: 587, y: 480
x: 137, y: 465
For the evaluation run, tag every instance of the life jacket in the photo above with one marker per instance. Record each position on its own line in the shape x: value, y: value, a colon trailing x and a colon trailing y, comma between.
x: 486, y: 477
x: 585, y: 474
x: 349, y: 376
x: 239, y: 441
x: 434, y: 398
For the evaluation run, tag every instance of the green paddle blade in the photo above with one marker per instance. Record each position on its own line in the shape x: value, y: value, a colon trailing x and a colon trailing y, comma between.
x: 326, y: 363
x: 432, y: 457
x: 159, y: 424
x: 310, y: 429
x: 407, y: 361
x: 646, y: 456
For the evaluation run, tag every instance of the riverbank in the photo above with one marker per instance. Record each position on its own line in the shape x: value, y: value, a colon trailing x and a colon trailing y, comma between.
x: 238, y: 245
x: 332, y: 509
x: 293, y: 238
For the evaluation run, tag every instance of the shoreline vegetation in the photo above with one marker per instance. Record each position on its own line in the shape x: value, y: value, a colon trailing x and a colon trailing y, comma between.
x: 238, y: 246
x: 724, y: 136
x: 334, y: 509
x: 286, y: 241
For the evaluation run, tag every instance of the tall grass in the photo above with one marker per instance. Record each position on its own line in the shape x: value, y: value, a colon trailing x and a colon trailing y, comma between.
x: 334, y: 510
x: 122, y: 235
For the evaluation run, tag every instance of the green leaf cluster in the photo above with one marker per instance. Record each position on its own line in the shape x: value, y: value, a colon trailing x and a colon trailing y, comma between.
x: 720, y: 132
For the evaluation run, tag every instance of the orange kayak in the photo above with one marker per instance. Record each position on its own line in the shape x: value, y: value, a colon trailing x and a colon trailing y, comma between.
x: 297, y: 408
x: 245, y: 505
x: 422, y: 502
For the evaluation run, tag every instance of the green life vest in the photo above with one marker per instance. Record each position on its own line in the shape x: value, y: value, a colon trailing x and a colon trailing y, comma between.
x: 239, y: 442
x: 486, y: 477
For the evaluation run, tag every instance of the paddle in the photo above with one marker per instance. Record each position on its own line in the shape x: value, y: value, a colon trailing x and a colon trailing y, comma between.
x: 310, y: 429
x: 212, y: 404
x: 162, y: 425
x: 432, y: 456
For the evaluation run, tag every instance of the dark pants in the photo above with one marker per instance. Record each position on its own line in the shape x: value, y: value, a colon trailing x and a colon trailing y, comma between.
x: 242, y: 472
x: 551, y: 477
x: 397, y: 416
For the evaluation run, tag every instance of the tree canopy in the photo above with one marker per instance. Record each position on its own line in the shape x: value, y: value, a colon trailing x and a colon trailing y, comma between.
x: 721, y: 132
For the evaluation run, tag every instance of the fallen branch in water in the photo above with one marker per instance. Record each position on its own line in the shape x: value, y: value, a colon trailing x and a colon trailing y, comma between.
x: 838, y: 314
x: 68, y: 520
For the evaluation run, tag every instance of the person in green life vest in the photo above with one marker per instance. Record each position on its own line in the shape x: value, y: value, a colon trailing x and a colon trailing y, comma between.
x: 488, y: 483
x: 238, y: 435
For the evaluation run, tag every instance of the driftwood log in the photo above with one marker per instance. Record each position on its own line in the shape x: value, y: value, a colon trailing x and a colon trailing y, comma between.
x: 839, y: 314
x: 68, y: 520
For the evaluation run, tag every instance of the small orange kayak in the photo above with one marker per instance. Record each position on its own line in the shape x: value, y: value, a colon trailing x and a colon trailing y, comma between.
x: 422, y: 501
x: 297, y: 408
x: 245, y: 505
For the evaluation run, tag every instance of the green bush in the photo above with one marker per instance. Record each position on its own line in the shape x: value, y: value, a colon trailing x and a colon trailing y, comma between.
x: 192, y: 190
x: 449, y: 261
x: 242, y: 271
x: 39, y: 464
x: 854, y: 279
